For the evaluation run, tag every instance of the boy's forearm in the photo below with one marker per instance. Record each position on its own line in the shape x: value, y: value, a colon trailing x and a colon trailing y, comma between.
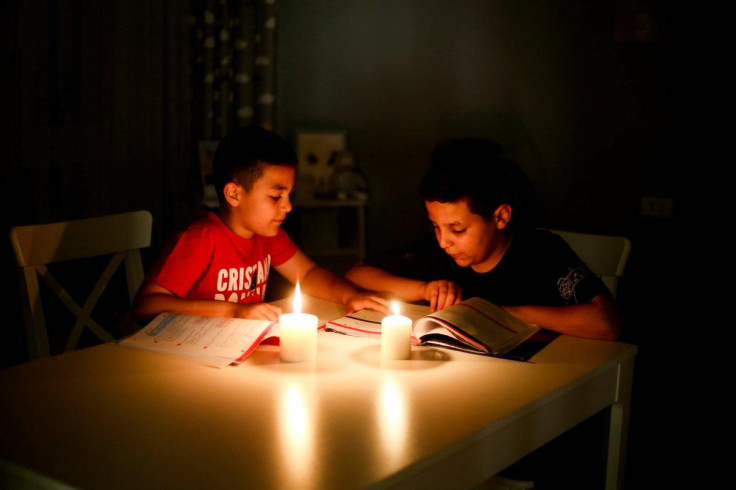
x: 322, y: 283
x: 150, y: 305
x: 595, y: 320
x: 375, y: 279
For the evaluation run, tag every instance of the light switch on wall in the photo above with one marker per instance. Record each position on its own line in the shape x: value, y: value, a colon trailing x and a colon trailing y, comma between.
x: 657, y: 207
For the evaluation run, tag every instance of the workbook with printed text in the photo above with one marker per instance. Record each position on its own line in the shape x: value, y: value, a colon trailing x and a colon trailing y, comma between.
x: 214, y: 341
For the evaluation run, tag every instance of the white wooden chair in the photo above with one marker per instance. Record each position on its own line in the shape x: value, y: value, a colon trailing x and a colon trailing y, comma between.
x: 36, y: 246
x: 605, y: 255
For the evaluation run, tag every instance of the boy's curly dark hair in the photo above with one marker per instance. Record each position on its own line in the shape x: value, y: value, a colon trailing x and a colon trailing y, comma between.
x: 477, y: 171
x: 243, y: 154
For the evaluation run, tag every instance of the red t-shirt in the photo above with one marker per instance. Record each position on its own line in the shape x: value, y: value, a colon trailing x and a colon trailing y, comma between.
x: 209, y: 261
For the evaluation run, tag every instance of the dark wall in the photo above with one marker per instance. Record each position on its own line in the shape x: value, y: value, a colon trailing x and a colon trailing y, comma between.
x: 96, y: 106
x: 584, y: 110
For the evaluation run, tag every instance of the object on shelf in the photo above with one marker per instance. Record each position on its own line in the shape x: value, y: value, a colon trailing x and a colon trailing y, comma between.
x: 316, y: 150
x: 347, y: 181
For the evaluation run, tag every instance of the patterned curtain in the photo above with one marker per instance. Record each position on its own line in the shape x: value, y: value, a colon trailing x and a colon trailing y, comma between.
x: 233, y: 65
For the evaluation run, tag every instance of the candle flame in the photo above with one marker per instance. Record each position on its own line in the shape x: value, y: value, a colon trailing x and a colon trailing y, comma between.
x: 395, y: 307
x: 297, y: 299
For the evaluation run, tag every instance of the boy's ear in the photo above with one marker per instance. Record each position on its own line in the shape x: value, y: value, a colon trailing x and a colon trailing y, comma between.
x: 232, y: 193
x: 502, y: 215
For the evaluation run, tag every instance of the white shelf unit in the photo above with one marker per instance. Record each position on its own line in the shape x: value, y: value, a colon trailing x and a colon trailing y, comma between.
x: 325, y: 228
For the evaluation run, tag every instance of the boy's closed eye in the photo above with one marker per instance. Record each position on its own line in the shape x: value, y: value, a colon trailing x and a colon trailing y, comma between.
x: 279, y: 196
x: 455, y: 229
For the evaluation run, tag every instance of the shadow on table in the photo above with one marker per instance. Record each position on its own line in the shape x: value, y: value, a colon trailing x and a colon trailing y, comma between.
x: 268, y: 357
x: 371, y: 356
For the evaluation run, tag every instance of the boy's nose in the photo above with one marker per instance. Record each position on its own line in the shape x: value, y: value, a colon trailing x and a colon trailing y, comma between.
x: 287, y: 204
x: 443, y: 240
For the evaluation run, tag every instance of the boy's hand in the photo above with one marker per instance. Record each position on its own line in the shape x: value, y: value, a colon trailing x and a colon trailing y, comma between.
x: 442, y: 294
x: 258, y: 311
x: 362, y: 301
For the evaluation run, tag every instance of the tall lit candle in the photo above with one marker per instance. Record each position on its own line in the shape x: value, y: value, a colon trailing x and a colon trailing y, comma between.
x: 395, y: 335
x: 298, y: 333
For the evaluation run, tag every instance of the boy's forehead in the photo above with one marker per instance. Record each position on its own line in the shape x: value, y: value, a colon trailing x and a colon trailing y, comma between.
x: 278, y: 176
x: 448, y: 212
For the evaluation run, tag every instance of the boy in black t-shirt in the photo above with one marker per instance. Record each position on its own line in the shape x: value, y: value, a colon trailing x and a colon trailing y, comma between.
x: 486, y: 246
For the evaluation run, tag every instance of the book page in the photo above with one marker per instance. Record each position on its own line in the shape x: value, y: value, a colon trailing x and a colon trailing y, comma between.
x: 480, y: 323
x: 439, y: 329
x: 367, y: 323
x: 198, y: 336
x: 357, y: 324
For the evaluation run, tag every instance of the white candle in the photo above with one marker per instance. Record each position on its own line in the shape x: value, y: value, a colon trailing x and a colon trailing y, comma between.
x: 298, y: 333
x: 395, y: 335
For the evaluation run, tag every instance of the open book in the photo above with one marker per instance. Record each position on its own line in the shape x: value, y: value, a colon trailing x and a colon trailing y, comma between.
x: 213, y: 341
x: 474, y: 325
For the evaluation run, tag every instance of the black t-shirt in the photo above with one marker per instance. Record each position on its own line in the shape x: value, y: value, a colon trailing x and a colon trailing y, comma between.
x: 538, y: 268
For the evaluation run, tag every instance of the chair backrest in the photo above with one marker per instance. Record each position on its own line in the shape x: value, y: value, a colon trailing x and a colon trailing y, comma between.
x: 36, y: 246
x: 605, y: 255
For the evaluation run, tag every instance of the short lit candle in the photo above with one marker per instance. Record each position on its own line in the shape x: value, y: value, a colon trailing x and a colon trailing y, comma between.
x: 298, y: 333
x: 395, y: 335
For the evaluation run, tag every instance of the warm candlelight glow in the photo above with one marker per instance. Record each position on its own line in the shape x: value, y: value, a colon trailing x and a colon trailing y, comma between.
x: 395, y: 308
x: 298, y: 333
x: 296, y: 417
x: 297, y: 299
x: 297, y: 435
x: 392, y: 409
x: 392, y: 421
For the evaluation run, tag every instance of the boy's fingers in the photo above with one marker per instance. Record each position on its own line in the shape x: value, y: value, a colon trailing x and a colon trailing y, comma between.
x: 370, y: 302
x: 383, y: 303
x: 441, y: 297
x: 446, y: 295
x: 383, y: 307
x: 453, y: 297
x: 263, y: 311
x: 433, y: 294
x: 447, y: 301
x: 379, y: 304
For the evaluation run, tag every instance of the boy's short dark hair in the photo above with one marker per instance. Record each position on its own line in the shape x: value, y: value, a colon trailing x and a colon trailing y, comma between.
x: 476, y: 170
x: 243, y: 154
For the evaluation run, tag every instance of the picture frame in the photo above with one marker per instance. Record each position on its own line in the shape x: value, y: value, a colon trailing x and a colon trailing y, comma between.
x: 316, y: 149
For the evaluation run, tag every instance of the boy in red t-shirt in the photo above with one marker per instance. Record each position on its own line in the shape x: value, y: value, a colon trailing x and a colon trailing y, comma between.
x: 219, y: 265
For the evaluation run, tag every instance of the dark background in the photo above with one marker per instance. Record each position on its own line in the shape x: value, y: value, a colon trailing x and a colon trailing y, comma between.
x: 97, y: 113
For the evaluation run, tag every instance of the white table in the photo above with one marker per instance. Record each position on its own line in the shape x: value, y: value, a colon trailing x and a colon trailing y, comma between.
x: 117, y: 417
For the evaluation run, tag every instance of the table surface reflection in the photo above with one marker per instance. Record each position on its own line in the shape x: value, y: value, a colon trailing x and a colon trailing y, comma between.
x: 117, y: 417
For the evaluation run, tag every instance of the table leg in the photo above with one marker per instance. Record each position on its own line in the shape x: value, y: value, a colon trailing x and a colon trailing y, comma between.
x: 619, y: 427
